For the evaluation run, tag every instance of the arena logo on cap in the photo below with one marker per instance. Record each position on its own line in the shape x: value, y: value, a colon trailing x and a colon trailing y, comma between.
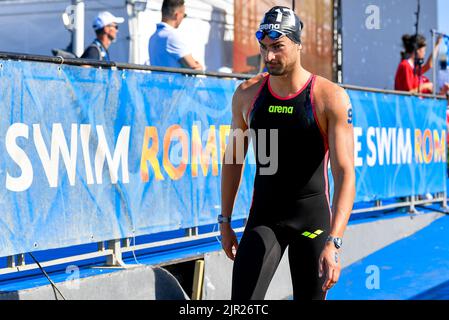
x: 270, y: 26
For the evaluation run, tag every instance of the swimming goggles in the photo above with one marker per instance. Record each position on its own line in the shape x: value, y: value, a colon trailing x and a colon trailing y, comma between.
x: 272, y: 34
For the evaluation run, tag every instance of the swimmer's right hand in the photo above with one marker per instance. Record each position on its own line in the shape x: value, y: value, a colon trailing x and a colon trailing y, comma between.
x: 229, y: 241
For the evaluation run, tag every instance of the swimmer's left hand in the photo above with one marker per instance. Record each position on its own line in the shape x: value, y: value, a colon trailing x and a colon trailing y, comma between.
x: 329, y: 264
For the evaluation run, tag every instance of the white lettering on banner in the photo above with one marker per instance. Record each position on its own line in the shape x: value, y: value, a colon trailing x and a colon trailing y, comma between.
x: 404, y: 154
x: 385, y: 146
x: 393, y: 144
x: 384, y: 138
x: 120, y: 154
x: 24, y: 181
x: 371, y: 159
x: 85, y: 135
x: 358, y: 133
x: 58, y: 145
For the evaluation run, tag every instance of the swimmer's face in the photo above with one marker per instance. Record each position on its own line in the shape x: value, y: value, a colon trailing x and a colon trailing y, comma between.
x: 280, y: 56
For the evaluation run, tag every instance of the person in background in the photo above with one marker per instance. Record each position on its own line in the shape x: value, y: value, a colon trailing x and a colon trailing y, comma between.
x: 106, y: 29
x: 167, y: 47
x: 406, y: 78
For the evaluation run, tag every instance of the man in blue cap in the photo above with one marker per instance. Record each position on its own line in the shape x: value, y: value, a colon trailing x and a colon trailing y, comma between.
x: 311, y: 121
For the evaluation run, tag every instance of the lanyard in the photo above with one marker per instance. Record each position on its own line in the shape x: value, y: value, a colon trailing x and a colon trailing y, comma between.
x: 104, y: 53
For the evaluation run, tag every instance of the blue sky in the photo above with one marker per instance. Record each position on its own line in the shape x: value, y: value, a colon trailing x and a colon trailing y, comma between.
x: 443, y: 16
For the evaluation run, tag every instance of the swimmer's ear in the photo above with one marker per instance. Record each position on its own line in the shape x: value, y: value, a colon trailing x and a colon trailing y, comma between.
x: 299, y: 46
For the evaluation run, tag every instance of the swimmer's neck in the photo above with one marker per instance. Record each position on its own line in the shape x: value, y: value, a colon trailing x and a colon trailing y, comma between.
x: 291, y: 82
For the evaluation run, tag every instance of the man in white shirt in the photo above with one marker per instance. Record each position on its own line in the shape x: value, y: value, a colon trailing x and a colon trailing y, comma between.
x: 166, y: 47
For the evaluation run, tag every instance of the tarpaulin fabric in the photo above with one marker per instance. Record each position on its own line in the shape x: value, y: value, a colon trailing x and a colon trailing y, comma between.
x: 400, y: 145
x: 148, y: 126
x: 88, y: 155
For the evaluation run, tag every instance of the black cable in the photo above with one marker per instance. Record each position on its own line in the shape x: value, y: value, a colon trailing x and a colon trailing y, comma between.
x: 48, y: 278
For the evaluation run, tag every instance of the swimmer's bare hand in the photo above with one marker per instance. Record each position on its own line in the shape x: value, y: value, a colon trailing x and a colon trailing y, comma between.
x: 228, y: 240
x: 329, y: 265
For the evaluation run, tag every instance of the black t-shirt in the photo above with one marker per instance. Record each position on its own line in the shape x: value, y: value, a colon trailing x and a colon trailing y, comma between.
x: 96, y: 51
x: 91, y: 53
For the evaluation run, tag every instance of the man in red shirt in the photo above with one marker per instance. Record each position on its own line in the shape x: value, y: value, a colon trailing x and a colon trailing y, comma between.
x: 406, y: 78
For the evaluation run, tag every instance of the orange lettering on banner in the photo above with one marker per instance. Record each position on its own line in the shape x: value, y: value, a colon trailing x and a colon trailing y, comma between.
x: 150, y: 154
x: 418, y: 146
x: 224, y: 132
x: 440, y: 151
x: 173, y: 172
x: 205, y: 156
x: 428, y: 146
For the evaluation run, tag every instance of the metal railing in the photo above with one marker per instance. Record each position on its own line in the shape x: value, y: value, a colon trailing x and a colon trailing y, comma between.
x: 114, y: 249
x: 435, y: 34
x: 129, y: 66
x: 115, y: 65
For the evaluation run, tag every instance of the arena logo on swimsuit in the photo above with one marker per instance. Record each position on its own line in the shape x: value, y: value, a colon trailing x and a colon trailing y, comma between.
x: 280, y: 109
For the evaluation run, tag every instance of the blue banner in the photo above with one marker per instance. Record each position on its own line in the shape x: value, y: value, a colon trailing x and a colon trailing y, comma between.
x: 400, y: 145
x: 89, y: 155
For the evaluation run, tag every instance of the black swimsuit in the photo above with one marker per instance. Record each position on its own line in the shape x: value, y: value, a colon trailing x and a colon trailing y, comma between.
x: 291, y: 206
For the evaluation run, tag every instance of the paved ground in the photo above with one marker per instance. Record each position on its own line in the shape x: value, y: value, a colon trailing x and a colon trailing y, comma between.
x: 416, y: 267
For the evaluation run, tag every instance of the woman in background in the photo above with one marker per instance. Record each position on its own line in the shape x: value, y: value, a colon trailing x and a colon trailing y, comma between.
x: 406, y: 78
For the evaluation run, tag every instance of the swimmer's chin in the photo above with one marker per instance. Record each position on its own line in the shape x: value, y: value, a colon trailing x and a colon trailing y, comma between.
x: 275, y: 69
x: 276, y: 72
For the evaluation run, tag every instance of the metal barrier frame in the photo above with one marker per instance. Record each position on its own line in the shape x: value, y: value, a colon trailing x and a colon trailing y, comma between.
x: 129, y: 66
x: 113, y: 249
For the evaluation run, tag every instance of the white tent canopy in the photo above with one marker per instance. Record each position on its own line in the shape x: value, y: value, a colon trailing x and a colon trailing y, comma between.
x: 36, y: 27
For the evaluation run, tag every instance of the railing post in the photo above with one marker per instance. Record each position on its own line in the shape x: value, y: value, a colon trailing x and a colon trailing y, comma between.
x: 412, y: 208
x: 21, y: 260
x: 115, y: 259
x: 11, y: 262
x: 445, y: 199
x: 191, y: 232
x: 434, y: 61
x: 101, y: 246
x: 126, y: 243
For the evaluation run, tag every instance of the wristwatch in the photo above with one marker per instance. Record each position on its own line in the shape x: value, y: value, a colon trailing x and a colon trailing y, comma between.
x: 338, y: 242
x: 222, y: 219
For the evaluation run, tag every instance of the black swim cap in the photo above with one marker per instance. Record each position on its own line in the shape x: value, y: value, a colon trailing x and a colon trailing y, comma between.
x: 283, y: 20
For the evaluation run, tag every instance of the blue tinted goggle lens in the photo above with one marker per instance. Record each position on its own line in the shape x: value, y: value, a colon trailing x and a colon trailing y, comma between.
x: 272, y: 34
